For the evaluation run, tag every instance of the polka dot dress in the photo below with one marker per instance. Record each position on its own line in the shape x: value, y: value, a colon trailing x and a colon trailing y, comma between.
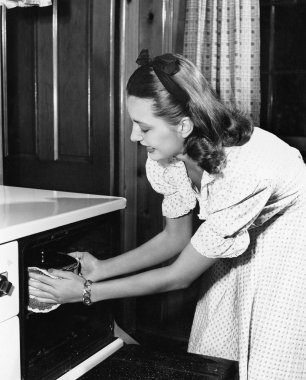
x: 252, y: 304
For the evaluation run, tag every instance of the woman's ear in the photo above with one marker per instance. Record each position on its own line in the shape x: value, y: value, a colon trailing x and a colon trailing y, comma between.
x: 186, y: 127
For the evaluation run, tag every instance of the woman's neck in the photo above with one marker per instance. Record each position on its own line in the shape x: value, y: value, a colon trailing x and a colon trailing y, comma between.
x: 194, y: 171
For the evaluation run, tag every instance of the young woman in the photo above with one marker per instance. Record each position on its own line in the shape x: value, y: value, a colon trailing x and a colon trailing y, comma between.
x: 251, y: 244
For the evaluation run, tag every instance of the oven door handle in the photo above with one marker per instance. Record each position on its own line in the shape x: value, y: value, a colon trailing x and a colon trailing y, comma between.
x: 5, y: 285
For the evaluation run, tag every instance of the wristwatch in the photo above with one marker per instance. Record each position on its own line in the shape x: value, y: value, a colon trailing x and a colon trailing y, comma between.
x: 87, y: 293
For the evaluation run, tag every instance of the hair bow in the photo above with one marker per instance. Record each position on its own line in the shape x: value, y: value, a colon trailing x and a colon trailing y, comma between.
x: 164, y: 67
x: 166, y: 63
x: 143, y: 58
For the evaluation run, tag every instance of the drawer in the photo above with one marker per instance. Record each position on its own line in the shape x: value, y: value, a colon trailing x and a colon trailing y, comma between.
x: 10, y: 350
x: 9, y: 304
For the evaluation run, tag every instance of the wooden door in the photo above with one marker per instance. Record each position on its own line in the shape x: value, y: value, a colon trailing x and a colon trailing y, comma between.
x: 58, y: 87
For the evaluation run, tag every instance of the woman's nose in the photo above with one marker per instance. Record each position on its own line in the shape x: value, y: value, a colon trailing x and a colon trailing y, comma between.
x: 136, y: 134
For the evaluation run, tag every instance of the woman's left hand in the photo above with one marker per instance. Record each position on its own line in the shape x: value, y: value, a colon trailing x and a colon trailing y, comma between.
x: 67, y: 288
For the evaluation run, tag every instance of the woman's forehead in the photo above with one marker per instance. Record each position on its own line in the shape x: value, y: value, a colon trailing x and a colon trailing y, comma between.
x: 139, y: 102
x: 139, y: 106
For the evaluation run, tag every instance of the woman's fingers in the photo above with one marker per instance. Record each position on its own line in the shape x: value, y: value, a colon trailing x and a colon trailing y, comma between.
x: 37, y: 293
x: 42, y: 279
x: 34, y: 285
x: 65, y: 287
x: 45, y: 300
x: 41, y: 291
x: 61, y: 274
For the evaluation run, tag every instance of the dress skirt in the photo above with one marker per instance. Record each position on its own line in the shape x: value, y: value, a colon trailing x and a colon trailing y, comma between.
x: 252, y: 308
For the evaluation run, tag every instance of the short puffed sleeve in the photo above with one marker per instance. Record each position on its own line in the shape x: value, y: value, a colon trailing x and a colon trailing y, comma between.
x: 225, y: 231
x: 171, y: 180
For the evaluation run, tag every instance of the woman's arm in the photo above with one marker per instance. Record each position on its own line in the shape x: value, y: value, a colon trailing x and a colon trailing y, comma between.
x: 189, y: 265
x: 179, y: 275
x: 170, y: 242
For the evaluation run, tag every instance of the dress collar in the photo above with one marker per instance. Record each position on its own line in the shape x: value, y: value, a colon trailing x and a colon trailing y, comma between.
x: 175, y: 162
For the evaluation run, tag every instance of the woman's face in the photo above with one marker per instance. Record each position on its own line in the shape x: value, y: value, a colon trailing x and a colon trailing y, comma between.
x: 161, y: 139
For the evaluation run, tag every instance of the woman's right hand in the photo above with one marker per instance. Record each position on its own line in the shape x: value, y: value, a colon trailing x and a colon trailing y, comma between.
x: 89, y: 265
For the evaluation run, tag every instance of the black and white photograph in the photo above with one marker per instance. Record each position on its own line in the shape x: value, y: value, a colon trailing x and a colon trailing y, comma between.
x: 153, y: 190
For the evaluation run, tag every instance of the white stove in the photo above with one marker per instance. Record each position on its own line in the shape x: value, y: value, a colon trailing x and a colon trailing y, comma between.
x: 25, y: 212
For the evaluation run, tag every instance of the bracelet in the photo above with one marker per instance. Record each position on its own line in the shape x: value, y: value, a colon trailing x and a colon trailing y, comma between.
x: 87, y: 293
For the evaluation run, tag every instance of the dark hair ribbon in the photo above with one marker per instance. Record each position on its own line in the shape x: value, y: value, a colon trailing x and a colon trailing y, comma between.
x: 165, y: 66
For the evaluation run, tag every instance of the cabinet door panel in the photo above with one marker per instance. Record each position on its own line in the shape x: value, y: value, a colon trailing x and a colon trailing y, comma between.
x: 60, y: 97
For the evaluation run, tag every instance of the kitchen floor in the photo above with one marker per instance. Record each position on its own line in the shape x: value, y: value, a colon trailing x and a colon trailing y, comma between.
x: 134, y: 362
x: 155, y: 341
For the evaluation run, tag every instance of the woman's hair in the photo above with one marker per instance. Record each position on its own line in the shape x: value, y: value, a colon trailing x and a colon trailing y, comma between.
x: 215, y: 125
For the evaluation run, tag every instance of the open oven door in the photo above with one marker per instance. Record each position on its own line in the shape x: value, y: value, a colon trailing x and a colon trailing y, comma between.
x: 137, y: 362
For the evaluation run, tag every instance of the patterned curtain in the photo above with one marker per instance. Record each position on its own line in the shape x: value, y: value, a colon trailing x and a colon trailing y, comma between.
x: 222, y: 37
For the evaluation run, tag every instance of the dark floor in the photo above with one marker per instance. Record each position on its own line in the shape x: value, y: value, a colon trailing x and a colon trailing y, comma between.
x: 154, y: 340
x: 134, y: 362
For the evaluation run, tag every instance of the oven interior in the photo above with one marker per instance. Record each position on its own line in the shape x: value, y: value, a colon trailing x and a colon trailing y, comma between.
x: 56, y: 341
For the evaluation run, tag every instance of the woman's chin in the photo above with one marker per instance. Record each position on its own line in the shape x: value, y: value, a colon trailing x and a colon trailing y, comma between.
x: 153, y: 155
x: 157, y: 156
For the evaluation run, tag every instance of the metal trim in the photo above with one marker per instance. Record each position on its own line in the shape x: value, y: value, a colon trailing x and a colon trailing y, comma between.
x: 122, y: 98
x: 36, y: 88
x: 167, y: 26
x: 89, y: 74
x: 55, y: 79
x: 111, y: 97
x: 4, y: 83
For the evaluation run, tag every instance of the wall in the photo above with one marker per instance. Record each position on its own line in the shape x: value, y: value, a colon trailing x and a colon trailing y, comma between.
x: 157, y: 26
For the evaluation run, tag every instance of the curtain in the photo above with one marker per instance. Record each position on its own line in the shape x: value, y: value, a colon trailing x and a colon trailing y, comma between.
x: 25, y: 3
x: 222, y: 38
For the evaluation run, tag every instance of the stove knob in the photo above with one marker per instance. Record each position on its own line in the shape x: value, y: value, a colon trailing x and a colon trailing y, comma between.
x: 5, y: 285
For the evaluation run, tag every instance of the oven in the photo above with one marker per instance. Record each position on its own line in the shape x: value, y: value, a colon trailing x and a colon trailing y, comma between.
x: 64, y: 343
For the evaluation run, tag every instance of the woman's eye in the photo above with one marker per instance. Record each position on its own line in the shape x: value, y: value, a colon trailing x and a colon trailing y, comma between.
x: 144, y: 130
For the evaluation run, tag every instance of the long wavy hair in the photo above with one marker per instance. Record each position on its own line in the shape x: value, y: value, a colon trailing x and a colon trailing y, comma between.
x: 215, y: 125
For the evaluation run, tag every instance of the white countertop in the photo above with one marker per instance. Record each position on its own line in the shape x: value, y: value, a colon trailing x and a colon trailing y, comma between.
x: 25, y: 211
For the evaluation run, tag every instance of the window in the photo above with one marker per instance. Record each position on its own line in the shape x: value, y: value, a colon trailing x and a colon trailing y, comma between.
x: 283, y: 70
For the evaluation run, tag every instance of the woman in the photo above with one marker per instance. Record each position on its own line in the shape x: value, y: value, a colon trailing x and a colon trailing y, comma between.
x: 251, y: 189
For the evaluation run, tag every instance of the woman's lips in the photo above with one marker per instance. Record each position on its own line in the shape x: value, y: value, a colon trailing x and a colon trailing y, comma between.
x: 150, y: 149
